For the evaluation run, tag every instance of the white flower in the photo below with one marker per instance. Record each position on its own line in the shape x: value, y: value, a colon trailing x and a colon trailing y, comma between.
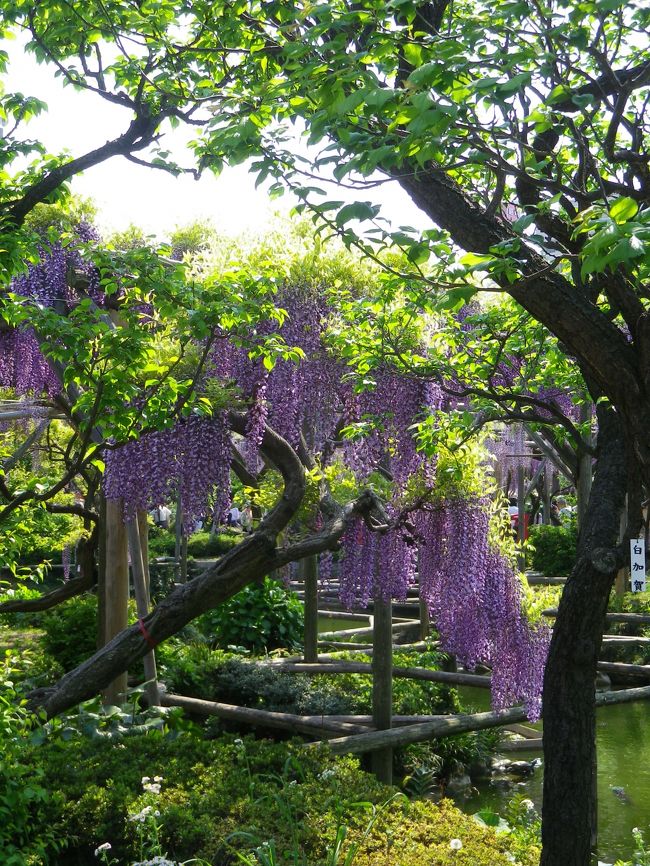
x: 327, y: 774
x: 239, y: 742
x: 528, y: 805
x: 455, y: 844
x: 142, y: 815
x: 105, y: 847
x: 151, y: 787
x: 145, y: 779
x: 156, y: 861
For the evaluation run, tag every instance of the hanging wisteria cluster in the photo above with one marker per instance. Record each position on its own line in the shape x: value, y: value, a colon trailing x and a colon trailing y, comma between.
x: 23, y: 366
x: 393, y: 406
x: 295, y: 399
x: 475, y: 600
x: 511, y: 451
x: 375, y: 564
x: 190, y: 460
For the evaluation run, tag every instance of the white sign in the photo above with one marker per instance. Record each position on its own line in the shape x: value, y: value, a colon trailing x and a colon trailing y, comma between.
x: 637, y: 564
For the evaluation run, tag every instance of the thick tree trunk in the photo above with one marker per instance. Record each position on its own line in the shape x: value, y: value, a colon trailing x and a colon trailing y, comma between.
x: 568, y: 703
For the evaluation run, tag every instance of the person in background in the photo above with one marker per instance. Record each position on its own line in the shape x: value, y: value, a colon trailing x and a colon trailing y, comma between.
x: 247, y: 519
x: 161, y: 516
x: 234, y: 516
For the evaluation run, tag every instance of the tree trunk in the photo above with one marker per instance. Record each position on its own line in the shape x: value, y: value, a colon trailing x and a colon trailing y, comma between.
x: 568, y: 702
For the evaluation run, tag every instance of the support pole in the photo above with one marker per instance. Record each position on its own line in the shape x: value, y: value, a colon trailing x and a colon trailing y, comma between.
x: 547, y: 489
x: 521, y: 511
x: 116, y: 590
x: 382, y: 685
x: 101, y: 574
x: 425, y: 621
x: 143, y: 531
x: 309, y: 574
x: 178, y: 527
x: 142, y: 603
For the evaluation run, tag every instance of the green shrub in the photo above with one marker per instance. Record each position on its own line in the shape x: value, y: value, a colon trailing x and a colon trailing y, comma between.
x: 49, y: 534
x: 162, y: 542
x: 220, y: 797
x: 262, y: 617
x: 25, y: 833
x: 198, y: 671
x: 200, y: 545
x: 554, y: 548
x: 19, y: 619
x: 205, y: 545
x: 70, y: 631
x: 630, y: 602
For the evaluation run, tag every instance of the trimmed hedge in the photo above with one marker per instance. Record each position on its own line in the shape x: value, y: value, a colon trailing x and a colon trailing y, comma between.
x: 224, y: 796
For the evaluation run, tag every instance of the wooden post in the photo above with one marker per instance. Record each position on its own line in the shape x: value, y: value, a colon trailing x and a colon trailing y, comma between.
x: 309, y: 574
x: 183, y: 558
x: 101, y: 575
x: 425, y: 622
x: 521, y: 511
x: 143, y: 532
x: 178, y: 547
x: 548, y: 487
x: 142, y: 603
x: 382, y: 685
x: 116, y: 589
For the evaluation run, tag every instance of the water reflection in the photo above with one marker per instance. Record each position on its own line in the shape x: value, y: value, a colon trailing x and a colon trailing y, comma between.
x: 623, y: 736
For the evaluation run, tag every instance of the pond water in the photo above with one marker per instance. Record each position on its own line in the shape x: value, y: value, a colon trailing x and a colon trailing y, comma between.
x: 623, y: 737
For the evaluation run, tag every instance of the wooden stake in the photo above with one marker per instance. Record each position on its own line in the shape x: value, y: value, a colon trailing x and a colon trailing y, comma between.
x: 116, y: 590
x: 143, y: 532
x: 142, y: 603
x: 382, y: 685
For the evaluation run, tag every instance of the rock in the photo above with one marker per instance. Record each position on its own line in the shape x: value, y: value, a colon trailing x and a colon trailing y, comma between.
x: 458, y: 784
x: 501, y: 784
x: 522, y: 768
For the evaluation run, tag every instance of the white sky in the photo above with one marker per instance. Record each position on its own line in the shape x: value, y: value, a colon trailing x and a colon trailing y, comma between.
x: 154, y: 200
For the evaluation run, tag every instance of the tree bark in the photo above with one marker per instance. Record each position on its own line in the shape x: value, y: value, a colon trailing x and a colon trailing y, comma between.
x: 568, y: 701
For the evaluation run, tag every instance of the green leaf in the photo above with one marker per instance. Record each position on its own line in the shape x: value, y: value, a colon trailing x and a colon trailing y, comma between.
x: 623, y: 209
x: 359, y: 210
x: 523, y: 222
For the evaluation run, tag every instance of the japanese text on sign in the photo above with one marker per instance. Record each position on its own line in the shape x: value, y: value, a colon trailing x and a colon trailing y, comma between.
x: 637, y: 564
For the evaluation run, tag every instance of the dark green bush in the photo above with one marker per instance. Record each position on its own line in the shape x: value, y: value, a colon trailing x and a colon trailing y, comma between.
x: 70, y: 630
x: 221, y: 796
x: 262, y: 617
x: 25, y: 832
x: 205, y: 545
x: 19, y: 619
x: 197, y: 671
x: 200, y: 545
x: 554, y: 549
